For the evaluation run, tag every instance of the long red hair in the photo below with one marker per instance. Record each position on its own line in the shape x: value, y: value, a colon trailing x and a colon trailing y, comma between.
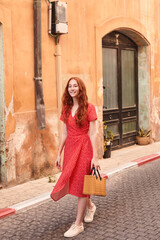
x: 67, y: 102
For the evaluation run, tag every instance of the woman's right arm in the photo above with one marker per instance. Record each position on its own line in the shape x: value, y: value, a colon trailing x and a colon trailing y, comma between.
x: 62, y: 143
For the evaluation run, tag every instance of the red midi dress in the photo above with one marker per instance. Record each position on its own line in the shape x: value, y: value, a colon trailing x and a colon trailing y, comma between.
x: 78, y: 154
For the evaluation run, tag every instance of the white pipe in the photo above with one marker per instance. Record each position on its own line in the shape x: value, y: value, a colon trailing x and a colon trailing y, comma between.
x: 58, y: 83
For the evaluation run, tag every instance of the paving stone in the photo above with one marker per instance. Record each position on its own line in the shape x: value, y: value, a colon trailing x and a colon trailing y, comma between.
x: 130, y: 211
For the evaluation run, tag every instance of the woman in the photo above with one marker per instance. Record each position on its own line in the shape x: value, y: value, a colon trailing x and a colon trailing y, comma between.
x: 80, y: 152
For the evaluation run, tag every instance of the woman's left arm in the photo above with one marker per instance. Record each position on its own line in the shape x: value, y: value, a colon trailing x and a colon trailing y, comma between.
x: 93, y: 137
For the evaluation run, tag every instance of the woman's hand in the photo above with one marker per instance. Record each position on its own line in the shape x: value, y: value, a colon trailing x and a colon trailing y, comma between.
x: 94, y: 163
x: 58, y: 162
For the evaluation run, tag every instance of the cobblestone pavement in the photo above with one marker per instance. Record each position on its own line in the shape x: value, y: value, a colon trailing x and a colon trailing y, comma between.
x: 131, y: 210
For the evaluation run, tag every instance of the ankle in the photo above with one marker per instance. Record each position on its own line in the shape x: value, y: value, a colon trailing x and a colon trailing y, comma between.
x: 77, y: 223
x: 91, y: 206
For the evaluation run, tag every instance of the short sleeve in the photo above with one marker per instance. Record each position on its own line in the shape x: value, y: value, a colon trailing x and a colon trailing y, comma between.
x: 91, y: 112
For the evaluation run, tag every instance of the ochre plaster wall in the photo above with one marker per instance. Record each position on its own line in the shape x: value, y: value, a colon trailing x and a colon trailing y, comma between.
x: 81, y: 48
x: 30, y: 152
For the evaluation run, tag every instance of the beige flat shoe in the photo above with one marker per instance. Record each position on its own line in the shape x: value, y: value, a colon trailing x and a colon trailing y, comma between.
x: 74, y: 230
x: 90, y: 214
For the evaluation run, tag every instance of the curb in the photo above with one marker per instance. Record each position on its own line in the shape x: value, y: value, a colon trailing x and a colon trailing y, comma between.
x: 138, y: 162
x: 6, y: 211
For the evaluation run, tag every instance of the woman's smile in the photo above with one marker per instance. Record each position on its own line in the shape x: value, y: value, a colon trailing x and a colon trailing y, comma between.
x: 73, y: 88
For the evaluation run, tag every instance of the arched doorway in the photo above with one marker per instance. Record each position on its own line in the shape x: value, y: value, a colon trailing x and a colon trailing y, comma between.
x: 120, y: 87
x: 136, y: 32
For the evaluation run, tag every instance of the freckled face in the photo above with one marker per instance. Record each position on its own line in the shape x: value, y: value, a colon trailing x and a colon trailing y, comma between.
x: 73, y: 88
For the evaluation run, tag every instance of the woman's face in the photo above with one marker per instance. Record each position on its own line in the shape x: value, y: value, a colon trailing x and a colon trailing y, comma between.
x: 73, y: 88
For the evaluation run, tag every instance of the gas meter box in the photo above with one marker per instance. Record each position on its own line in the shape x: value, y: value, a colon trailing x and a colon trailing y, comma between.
x: 58, y: 18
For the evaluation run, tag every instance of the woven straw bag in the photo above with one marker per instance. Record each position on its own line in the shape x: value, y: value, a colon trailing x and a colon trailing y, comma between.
x: 94, y: 185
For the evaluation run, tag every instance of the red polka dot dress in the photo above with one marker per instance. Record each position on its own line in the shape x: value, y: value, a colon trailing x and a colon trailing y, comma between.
x: 78, y: 154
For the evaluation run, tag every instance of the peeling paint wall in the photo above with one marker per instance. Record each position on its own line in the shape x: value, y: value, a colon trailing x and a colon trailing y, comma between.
x: 144, y: 87
x: 30, y: 151
x: 155, y: 119
x: 2, y: 113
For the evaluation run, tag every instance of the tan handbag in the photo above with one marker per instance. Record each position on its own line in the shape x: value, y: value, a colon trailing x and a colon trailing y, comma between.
x: 94, y: 185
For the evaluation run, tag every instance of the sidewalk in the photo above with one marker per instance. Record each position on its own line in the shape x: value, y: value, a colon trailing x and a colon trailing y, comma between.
x: 40, y: 189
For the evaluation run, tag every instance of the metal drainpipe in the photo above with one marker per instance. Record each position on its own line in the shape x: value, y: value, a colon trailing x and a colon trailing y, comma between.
x: 38, y: 65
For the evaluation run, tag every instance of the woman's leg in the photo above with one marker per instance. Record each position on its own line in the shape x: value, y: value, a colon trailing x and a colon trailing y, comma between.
x: 81, y: 207
x: 89, y: 203
x: 77, y: 227
x: 91, y: 209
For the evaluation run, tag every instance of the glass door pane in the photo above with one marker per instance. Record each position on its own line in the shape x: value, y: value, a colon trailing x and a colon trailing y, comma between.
x: 128, y: 127
x: 110, y: 85
x: 128, y: 82
x: 114, y: 129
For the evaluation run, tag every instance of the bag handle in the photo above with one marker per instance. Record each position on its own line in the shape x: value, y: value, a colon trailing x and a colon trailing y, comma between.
x: 94, y: 173
x: 93, y: 170
x: 99, y: 175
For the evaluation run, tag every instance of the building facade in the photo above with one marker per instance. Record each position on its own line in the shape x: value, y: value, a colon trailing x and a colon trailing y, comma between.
x: 114, y: 46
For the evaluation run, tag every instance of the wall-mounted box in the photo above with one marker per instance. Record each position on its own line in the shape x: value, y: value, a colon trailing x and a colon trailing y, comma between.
x: 58, y: 18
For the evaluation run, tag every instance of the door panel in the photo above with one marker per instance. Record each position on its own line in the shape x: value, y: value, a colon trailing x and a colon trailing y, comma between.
x: 129, y: 113
x: 114, y: 129
x: 128, y: 127
x: 120, y: 90
x: 110, y: 78
x: 128, y: 83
